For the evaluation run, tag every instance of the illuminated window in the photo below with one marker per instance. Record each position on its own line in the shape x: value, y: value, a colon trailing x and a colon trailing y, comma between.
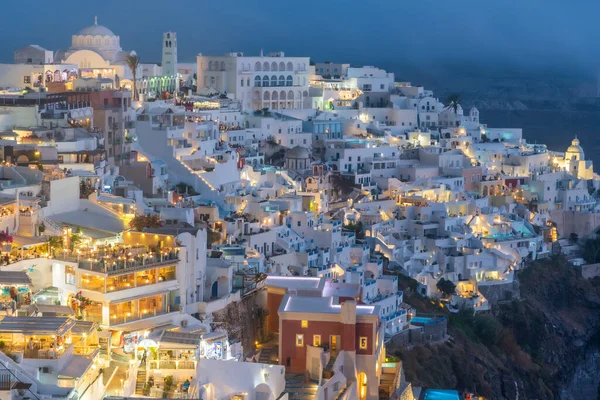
x: 299, y: 340
x: 362, y: 342
x: 316, y: 340
x: 304, y: 323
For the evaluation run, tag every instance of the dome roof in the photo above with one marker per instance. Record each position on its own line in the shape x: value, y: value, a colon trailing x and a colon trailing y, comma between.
x: 298, y: 152
x: 95, y: 30
x: 574, y: 149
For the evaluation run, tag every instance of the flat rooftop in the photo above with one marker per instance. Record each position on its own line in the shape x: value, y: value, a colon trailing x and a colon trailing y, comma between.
x: 320, y: 305
x: 295, y: 282
x: 14, y: 278
x: 37, y: 325
x: 341, y: 289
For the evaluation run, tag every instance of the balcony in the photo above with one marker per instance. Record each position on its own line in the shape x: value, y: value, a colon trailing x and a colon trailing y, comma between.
x: 116, y: 319
x: 173, y: 363
x: 119, y: 259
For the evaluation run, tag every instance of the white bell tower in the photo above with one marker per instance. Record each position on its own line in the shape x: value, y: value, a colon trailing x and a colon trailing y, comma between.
x: 169, y: 54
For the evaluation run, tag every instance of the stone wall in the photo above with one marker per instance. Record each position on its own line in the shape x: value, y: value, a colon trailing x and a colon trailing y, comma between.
x: 590, y: 271
x: 500, y: 292
x: 244, y: 320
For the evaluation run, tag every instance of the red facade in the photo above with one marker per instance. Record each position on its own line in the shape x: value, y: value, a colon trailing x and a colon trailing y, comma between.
x: 348, y: 338
x: 273, y: 303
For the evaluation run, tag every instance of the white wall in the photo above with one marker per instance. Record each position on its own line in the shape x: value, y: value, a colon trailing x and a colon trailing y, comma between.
x: 220, y: 374
x: 64, y: 195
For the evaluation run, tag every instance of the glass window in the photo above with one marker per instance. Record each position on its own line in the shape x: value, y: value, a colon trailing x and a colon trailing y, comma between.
x: 304, y: 323
x: 92, y: 282
x: 166, y: 274
x: 70, y: 278
x: 299, y: 340
x: 120, y: 282
x: 147, y: 277
x: 363, y: 342
x: 316, y: 340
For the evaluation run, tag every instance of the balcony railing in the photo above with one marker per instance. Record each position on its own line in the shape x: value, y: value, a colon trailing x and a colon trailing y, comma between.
x: 124, y: 318
x: 117, y: 264
x: 172, y: 364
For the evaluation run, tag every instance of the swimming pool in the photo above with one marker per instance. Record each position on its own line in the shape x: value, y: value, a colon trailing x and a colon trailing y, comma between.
x: 421, y: 320
x: 438, y: 394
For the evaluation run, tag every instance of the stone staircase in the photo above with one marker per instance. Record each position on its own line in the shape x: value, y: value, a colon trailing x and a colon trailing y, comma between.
x: 389, y: 381
x: 342, y: 392
x: 267, y: 355
x: 140, y: 381
x: 328, y: 370
x: 298, y: 388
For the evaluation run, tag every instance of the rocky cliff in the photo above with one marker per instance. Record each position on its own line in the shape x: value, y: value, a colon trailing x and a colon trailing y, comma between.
x: 546, y: 345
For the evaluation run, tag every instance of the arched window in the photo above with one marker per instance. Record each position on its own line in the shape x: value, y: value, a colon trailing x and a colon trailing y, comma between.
x: 274, y: 96
x: 290, y: 66
x: 266, y: 66
x: 257, y: 66
x: 282, y: 66
x: 282, y: 95
x: 222, y: 65
x: 107, y: 42
x: 281, y: 80
x: 289, y: 81
x: 267, y: 96
x: 273, y: 80
x: 168, y: 36
x: 265, y: 81
x: 257, y: 81
x: 273, y: 66
x: 210, y: 65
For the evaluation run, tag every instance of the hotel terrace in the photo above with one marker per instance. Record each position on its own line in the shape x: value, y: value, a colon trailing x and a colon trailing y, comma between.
x: 117, y: 283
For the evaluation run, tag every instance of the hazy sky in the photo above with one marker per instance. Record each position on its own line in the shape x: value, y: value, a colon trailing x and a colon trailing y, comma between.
x: 389, y: 33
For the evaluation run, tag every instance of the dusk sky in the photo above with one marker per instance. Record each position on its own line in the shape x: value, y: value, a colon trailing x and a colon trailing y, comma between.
x: 389, y: 33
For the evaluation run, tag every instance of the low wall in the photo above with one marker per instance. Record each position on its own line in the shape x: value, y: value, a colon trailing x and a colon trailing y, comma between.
x: 590, y: 271
x: 500, y: 292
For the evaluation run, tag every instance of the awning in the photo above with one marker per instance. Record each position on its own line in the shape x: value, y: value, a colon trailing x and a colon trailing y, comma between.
x: 144, y: 324
x: 21, y: 241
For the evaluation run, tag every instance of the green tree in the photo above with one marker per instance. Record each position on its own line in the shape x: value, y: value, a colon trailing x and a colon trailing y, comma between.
x: 55, y: 243
x: 453, y: 100
x: 573, y: 237
x: 591, y: 251
x: 446, y: 286
x: 133, y: 62
x: 139, y: 222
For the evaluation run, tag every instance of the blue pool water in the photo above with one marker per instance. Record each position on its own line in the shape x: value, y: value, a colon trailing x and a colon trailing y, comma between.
x: 421, y: 320
x: 437, y: 394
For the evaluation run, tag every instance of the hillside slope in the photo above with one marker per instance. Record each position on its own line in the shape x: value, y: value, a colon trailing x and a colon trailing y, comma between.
x: 544, y: 346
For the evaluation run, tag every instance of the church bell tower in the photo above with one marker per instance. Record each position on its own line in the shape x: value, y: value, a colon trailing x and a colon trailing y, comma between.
x: 169, y: 54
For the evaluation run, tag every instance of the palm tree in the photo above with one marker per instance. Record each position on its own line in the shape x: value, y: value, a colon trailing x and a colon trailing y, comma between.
x: 453, y: 100
x: 133, y: 62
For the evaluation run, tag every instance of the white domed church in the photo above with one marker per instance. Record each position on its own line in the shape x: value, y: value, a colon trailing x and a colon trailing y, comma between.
x: 97, y: 51
x: 575, y: 163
